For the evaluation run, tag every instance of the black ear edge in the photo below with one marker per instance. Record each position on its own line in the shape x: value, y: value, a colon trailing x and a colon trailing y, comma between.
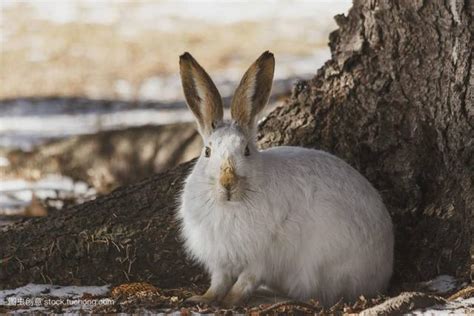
x: 186, y: 57
x: 265, y: 55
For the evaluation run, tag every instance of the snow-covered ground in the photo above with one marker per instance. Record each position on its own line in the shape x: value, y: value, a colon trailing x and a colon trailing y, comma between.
x: 41, y: 297
x: 457, y: 307
x: 16, y: 195
x: 18, y: 192
x: 25, y: 123
x: 27, y: 129
x: 441, y: 284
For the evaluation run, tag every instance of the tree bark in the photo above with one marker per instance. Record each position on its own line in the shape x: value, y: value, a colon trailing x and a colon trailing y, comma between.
x: 395, y: 101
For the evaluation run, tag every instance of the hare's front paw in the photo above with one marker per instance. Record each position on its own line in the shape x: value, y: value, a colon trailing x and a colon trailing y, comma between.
x: 232, y: 300
x: 241, y: 291
x: 201, y: 299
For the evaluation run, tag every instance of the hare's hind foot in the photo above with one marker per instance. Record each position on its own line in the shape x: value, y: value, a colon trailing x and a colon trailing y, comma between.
x: 220, y: 284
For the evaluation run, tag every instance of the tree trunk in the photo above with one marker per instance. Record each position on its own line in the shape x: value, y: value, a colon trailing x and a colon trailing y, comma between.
x: 395, y: 101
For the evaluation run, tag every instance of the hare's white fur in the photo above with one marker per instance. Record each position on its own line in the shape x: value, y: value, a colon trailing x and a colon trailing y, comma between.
x: 300, y: 221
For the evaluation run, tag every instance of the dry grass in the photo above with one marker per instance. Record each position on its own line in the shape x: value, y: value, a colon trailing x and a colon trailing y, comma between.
x: 43, y: 58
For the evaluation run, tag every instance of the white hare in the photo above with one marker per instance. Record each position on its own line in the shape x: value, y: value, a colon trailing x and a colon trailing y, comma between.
x: 299, y: 221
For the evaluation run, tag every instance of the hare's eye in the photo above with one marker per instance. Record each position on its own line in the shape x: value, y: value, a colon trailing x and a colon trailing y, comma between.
x: 207, y: 152
x: 247, y: 151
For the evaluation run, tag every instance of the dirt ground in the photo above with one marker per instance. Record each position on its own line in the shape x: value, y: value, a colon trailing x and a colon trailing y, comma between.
x: 146, y: 298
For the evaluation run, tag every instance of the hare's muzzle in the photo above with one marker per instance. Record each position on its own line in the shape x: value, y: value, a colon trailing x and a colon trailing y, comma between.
x: 228, y: 177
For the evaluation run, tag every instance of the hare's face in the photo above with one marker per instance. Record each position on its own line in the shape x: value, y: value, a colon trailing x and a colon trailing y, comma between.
x: 228, y: 161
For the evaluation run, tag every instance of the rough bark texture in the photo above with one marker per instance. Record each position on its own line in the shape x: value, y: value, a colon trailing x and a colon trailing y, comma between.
x: 395, y: 101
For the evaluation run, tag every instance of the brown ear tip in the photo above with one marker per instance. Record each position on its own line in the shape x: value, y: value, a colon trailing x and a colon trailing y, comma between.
x: 266, y: 57
x: 185, y: 56
x: 267, y: 53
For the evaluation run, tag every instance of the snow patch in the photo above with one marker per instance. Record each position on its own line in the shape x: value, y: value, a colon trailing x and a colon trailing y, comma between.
x: 4, y: 162
x: 26, y: 123
x: 442, y: 284
x: 27, y: 131
x: 41, y: 290
x: 39, y: 297
x: 456, y: 307
x: 16, y: 194
x: 123, y: 89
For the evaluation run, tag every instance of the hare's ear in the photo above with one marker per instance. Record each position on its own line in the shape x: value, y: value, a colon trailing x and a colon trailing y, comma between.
x: 201, y: 94
x: 253, y: 91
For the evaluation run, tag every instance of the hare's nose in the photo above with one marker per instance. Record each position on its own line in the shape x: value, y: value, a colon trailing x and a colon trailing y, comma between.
x: 228, y: 177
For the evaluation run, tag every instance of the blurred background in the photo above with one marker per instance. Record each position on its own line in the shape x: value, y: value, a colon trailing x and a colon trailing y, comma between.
x: 90, y: 96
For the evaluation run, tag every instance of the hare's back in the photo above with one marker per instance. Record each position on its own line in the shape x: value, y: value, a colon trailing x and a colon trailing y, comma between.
x: 320, y: 174
x: 311, y: 162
